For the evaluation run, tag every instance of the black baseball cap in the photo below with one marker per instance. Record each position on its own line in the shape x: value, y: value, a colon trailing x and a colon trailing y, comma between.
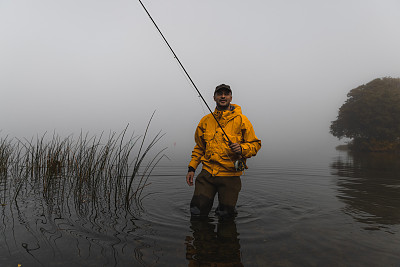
x: 223, y: 86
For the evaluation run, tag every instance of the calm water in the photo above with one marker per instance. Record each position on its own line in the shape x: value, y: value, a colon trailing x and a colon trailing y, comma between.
x: 329, y: 210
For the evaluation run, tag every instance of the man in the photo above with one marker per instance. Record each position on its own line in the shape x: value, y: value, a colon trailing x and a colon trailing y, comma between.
x: 218, y: 154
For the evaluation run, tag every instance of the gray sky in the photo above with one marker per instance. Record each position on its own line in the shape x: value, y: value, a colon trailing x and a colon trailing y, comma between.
x: 98, y: 65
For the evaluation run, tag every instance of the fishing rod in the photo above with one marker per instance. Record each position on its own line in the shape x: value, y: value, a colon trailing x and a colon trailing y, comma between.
x: 183, y: 68
x: 240, y: 164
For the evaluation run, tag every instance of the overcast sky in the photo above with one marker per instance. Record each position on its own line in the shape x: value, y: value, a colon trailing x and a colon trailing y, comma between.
x: 98, y: 65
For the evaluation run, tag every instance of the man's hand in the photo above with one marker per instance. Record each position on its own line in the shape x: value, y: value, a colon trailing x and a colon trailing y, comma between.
x: 189, y: 178
x: 236, y: 148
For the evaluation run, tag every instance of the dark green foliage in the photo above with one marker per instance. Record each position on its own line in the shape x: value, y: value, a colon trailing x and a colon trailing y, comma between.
x: 371, y: 115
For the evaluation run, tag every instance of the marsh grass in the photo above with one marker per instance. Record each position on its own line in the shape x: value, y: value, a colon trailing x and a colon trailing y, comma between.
x: 89, y: 171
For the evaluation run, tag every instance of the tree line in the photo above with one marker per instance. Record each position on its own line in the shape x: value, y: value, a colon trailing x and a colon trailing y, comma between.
x: 370, y: 117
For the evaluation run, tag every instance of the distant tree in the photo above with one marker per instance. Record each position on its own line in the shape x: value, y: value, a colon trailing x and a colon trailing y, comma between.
x: 371, y: 116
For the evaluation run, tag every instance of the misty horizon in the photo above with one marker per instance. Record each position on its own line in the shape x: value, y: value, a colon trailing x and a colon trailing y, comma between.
x: 97, y: 66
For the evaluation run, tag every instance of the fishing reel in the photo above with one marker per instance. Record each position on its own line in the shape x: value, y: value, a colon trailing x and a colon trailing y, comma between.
x: 240, y: 165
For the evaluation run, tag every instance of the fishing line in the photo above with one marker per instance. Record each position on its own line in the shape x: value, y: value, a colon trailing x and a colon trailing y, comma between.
x: 183, y: 68
x: 239, y: 164
x: 188, y: 81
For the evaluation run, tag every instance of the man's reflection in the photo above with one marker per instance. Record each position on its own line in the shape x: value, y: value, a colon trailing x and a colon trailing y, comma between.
x: 213, y: 245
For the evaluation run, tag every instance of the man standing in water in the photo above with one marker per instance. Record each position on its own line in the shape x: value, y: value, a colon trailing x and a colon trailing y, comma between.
x: 220, y: 156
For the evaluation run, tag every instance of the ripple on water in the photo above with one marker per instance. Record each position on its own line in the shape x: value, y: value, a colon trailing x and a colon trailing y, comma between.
x: 287, y: 216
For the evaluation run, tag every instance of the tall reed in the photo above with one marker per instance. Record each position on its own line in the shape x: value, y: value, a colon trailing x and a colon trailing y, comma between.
x: 88, y: 169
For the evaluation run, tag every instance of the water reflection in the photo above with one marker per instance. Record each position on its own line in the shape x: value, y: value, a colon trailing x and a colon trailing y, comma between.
x: 213, y: 245
x: 60, y: 228
x: 369, y: 185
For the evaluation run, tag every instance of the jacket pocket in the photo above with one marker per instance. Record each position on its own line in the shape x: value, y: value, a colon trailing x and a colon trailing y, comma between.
x: 228, y: 161
x: 208, y: 137
x: 232, y: 138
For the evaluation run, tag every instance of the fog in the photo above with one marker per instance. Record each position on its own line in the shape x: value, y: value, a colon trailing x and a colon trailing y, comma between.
x: 67, y: 66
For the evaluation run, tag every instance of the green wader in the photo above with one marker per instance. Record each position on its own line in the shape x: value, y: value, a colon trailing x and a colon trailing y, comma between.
x: 206, y: 186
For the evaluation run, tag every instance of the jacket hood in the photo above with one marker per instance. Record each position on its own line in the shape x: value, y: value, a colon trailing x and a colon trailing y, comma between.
x: 228, y: 114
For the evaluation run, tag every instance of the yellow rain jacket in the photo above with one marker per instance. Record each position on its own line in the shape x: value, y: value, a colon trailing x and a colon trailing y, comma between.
x: 212, y: 146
